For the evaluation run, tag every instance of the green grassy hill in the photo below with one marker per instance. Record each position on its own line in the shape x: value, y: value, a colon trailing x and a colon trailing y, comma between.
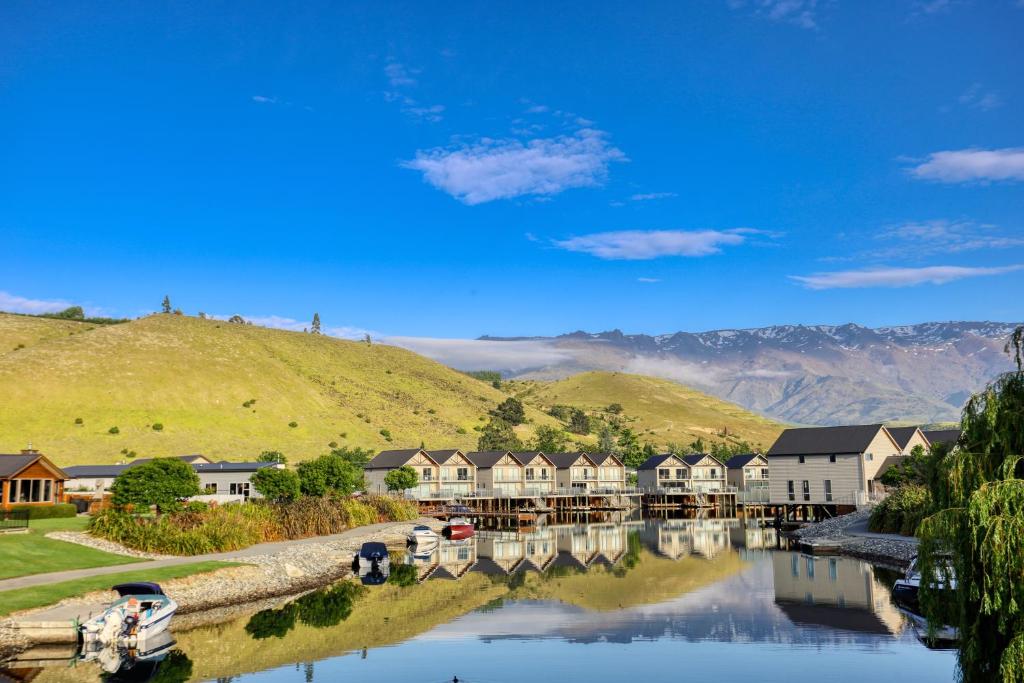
x: 658, y: 410
x: 193, y: 377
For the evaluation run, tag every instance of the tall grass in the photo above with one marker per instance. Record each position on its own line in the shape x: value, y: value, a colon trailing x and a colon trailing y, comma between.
x: 239, y: 525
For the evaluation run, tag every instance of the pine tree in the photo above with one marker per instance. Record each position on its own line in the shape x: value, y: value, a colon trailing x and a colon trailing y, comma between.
x: 166, y: 306
x: 315, y: 329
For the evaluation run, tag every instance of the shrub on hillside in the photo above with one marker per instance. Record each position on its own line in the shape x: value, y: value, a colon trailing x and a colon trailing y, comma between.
x: 902, y: 511
x: 113, y: 430
x: 47, y: 511
x: 158, y: 427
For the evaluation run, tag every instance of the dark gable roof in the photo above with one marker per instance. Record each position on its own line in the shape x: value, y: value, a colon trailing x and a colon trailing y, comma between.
x: 87, y: 471
x: 186, y: 458
x: 391, y: 459
x: 563, y: 460
x: 738, y: 461
x: 523, y: 457
x: 485, y: 459
x: 950, y: 436
x: 655, y: 461
x: 902, y: 435
x: 103, y: 471
x: 441, y: 457
x: 225, y: 466
x: 600, y: 458
x: 824, y: 440
x: 694, y: 458
x: 12, y: 464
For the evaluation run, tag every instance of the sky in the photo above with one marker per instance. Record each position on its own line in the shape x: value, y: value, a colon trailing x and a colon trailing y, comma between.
x: 452, y: 170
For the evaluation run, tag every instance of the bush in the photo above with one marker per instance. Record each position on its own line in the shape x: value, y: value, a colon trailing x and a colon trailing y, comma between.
x: 293, y: 424
x: 79, y: 421
x: 276, y: 485
x: 48, y: 511
x: 902, y: 511
x: 386, y: 433
x: 329, y: 473
x: 163, y: 482
x: 113, y: 430
x: 401, y: 478
x: 158, y: 427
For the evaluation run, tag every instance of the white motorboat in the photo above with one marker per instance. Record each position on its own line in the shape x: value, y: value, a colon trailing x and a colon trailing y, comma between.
x: 422, y: 535
x: 372, y: 564
x: 142, y: 612
x: 905, y: 590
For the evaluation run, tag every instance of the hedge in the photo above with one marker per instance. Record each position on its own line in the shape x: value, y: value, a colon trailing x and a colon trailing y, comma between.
x: 47, y: 511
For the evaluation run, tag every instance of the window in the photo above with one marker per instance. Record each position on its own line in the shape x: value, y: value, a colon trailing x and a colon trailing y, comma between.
x: 828, y: 490
x: 714, y: 473
x: 807, y: 490
x: 795, y: 561
x: 810, y: 568
x: 789, y: 487
x: 426, y: 474
x: 680, y: 474
x: 869, y: 457
x: 586, y: 473
x: 240, y: 488
x: 30, y: 491
x: 801, y: 459
x: 833, y: 569
x: 210, y: 488
x: 832, y: 458
x: 529, y: 474
x: 662, y: 474
x: 544, y: 474
x: 764, y: 472
x: 12, y: 488
x: 462, y: 473
x: 748, y: 473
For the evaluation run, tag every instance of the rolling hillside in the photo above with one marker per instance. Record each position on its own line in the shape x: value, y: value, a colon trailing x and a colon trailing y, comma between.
x: 193, y: 376
x: 665, y: 411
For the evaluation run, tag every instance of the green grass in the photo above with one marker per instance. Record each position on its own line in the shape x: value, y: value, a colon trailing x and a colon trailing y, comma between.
x: 193, y: 377
x: 41, y: 596
x: 26, y: 331
x: 664, y: 411
x: 24, y: 554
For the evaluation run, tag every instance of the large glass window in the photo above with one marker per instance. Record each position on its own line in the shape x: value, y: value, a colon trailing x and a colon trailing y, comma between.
x: 30, y: 491
x: 828, y: 490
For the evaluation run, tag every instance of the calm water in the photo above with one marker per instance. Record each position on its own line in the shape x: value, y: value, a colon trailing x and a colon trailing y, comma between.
x: 644, y: 600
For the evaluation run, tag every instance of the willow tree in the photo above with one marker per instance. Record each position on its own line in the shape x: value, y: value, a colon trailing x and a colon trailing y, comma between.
x: 977, y: 532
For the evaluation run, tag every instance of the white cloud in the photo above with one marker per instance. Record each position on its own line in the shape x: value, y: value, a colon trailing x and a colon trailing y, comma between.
x: 398, y: 75
x: 943, y: 236
x: 648, y: 196
x: 973, y: 164
x: 537, y: 109
x: 651, y: 244
x: 797, y: 12
x: 19, y: 304
x: 263, y: 99
x: 501, y: 169
x: 648, y: 280
x: 477, y: 354
x: 977, y: 97
x: 896, y: 277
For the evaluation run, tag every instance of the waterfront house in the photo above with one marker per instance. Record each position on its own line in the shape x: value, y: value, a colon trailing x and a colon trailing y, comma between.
x: 538, y: 472
x: 707, y: 473
x: 540, y: 548
x: 747, y: 472
x: 828, y: 465
x: 499, y: 552
x: 30, y: 479
x: 665, y: 471
x: 427, y: 471
x: 575, y: 471
x: 497, y: 471
x: 458, y: 474
x: 948, y: 437
x: 611, y: 472
x: 907, y: 438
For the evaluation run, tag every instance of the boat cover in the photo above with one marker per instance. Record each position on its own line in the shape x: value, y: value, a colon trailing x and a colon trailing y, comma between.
x: 140, y: 588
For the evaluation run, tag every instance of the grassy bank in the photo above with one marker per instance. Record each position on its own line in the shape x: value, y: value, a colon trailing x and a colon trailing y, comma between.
x: 41, y: 596
x: 232, y: 527
x: 33, y: 553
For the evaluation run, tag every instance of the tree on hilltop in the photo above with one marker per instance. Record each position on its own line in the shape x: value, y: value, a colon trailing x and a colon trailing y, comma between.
x: 166, y: 305
x: 511, y: 411
x: 315, y: 328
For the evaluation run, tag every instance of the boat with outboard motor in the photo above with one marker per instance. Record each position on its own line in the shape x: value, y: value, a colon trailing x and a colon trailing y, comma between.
x: 142, y: 611
x: 458, y: 528
x: 372, y: 564
x: 422, y: 535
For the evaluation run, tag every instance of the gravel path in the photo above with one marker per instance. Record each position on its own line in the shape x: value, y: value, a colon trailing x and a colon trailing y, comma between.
x: 850, y: 536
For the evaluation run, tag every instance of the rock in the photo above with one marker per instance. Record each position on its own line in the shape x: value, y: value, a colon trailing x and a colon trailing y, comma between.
x: 293, y: 572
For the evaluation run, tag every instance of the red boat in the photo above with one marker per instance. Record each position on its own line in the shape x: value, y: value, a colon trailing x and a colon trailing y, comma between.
x: 457, y: 528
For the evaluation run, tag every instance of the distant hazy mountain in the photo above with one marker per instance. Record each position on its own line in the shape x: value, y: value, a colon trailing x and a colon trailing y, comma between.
x: 819, y: 374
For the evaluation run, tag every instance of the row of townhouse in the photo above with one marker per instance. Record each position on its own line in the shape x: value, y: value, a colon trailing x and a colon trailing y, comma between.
x: 454, y: 472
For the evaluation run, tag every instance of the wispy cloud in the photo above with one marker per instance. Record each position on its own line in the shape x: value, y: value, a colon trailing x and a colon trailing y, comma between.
x: 477, y: 354
x: 944, y: 236
x: 649, y: 196
x: 648, y: 280
x: 896, y: 277
x: 263, y: 99
x: 488, y: 169
x: 639, y: 245
x: 972, y: 164
x: 401, y: 79
x: 398, y: 75
x: 19, y: 304
x: 800, y: 13
x: 978, y: 97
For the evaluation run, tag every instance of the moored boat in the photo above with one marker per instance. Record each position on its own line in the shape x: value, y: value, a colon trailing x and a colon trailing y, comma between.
x: 458, y: 528
x: 142, y: 611
x: 422, y: 535
x: 372, y: 564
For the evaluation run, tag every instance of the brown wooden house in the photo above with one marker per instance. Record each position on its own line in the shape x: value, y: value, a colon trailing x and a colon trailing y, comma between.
x: 29, y: 478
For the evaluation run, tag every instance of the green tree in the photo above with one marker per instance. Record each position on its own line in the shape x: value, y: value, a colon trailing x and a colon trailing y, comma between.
x: 71, y: 313
x: 630, y: 450
x: 511, y: 411
x: 498, y: 435
x: 280, y: 486
x: 236, y: 320
x: 698, y: 446
x: 328, y: 474
x: 979, y: 496
x: 166, y: 305
x: 560, y: 412
x: 163, y: 482
x: 401, y: 479
x: 606, y: 440
x: 549, y: 440
x: 176, y: 667
x: 330, y: 606
x: 914, y: 469
x: 615, y: 408
x: 356, y: 456
x: 272, y: 456
x: 315, y: 327
x: 272, y: 623
x: 579, y: 422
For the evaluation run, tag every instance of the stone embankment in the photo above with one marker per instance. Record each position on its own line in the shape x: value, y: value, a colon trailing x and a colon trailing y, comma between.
x: 848, y: 535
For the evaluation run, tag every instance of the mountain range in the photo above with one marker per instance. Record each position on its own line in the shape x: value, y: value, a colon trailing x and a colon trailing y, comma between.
x: 818, y: 374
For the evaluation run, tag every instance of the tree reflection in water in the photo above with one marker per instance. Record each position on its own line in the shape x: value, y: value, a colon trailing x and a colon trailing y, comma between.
x: 320, y: 609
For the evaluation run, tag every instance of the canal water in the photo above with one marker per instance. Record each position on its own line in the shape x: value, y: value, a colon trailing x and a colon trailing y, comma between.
x: 644, y: 600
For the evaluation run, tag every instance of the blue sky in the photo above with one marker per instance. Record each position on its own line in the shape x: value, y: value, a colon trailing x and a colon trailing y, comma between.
x: 457, y: 169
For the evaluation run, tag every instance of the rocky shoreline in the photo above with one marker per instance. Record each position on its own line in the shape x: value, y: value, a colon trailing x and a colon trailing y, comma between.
x: 845, y: 535
x: 289, y: 572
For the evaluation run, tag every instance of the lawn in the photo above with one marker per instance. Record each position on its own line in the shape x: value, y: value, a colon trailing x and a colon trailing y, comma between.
x: 32, y: 553
x: 41, y: 596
